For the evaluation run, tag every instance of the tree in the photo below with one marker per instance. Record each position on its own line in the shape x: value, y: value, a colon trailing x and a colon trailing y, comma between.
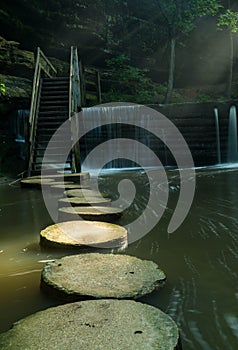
x: 179, y: 17
x: 229, y: 21
x: 128, y: 83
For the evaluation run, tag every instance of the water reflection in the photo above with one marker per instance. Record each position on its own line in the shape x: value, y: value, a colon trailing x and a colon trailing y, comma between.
x: 200, y: 258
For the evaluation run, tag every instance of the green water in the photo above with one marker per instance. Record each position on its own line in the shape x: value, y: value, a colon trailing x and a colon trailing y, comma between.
x: 200, y: 259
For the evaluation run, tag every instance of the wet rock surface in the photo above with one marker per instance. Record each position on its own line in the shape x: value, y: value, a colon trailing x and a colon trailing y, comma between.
x: 95, y: 324
x: 91, y: 213
x: 81, y: 201
x: 77, y: 234
x: 98, y: 275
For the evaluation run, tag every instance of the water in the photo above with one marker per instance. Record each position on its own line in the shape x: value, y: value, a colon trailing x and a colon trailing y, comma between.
x: 200, y: 259
x: 217, y: 135
x: 232, y: 150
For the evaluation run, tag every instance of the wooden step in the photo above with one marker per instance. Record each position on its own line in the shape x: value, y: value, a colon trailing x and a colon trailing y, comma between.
x: 54, y: 102
x: 52, y: 113
x: 53, y: 108
x: 54, y: 82
x: 49, y: 92
x: 55, y: 79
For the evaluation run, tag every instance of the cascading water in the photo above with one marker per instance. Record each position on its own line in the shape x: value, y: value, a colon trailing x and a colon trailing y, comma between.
x: 218, y: 143
x: 232, y: 152
x: 120, y: 124
x: 22, y: 115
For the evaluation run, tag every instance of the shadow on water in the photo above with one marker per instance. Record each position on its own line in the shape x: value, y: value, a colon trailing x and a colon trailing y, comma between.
x: 200, y: 259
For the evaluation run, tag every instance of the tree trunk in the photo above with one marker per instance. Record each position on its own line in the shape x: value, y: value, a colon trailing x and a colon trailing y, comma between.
x: 171, y: 71
x: 230, y: 69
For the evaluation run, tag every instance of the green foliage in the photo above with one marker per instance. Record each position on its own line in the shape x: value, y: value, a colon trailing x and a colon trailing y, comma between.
x: 2, y: 89
x: 179, y: 16
x: 228, y: 20
x: 129, y: 83
x: 202, y: 97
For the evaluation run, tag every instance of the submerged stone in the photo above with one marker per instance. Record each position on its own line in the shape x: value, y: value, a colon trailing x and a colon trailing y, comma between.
x: 91, y: 213
x: 98, y: 275
x: 94, y: 324
x: 76, y: 234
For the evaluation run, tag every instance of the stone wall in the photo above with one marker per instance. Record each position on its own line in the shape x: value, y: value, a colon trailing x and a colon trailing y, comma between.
x: 196, y: 122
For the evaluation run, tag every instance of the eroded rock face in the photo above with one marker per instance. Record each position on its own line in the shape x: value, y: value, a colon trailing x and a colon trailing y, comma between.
x: 95, y: 324
x: 14, y: 61
x: 101, y: 276
x: 79, y: 234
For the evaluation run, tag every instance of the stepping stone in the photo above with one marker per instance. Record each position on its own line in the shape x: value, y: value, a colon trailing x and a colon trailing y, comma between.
x: 95, y: 213
x: 94, y: 324
x: 67, y: 186
x: 75, y: 177
x: 36, y: 182
x: 79, y: 193
x: 81, y: 201
x: 78, y: 234
x: 98, y: 276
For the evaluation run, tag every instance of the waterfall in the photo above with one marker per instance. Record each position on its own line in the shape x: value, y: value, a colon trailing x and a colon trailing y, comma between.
x: 22, y: 115
x: 232, y: 152
x: 218, y: 143
x: 120, y: 125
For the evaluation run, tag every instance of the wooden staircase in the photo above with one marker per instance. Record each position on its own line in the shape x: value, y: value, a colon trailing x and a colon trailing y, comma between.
x: 53, y: 112
x: 54, y: 101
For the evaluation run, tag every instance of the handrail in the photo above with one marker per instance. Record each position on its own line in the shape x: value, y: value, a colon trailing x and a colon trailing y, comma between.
x: 42, y: 65
x: 75, y: 104
x: 75, y: 91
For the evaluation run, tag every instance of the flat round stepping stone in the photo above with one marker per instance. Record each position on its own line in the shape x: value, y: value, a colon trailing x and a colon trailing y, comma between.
x: 98, y: 276
x: 75, y: 177
x: 36, y: 182
x: 78, y: 234
x: 81, y: 201
x: 79, y: 193
x: 91, y: 213
x: 67, y: 186
x: 95, y: 324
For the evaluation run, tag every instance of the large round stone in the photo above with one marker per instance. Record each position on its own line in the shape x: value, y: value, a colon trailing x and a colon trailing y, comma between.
x: 81, y: 201
x: 36, y: 182
x: 98, y: 275
x: 79, y: 193
x: 94, y: 324
x: 77, y: 234
x: 67, y: 186
x: 75, y: 177
x: 95, y: 213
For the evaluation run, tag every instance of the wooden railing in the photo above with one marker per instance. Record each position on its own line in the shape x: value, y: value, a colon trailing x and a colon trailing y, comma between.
x: 42, y: 66
x: 76, y: 101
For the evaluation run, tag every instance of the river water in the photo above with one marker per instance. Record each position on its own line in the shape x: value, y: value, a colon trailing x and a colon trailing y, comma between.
x: 200, y: 258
